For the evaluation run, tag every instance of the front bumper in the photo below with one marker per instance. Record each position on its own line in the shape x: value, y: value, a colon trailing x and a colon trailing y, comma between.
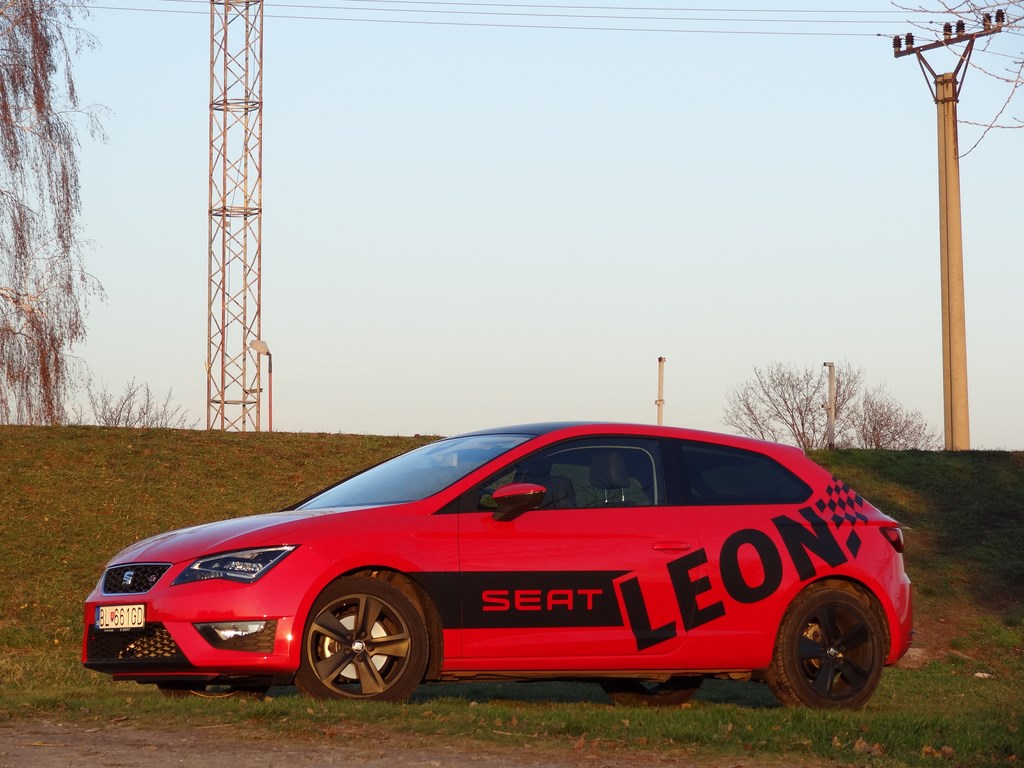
x: 175, y: 643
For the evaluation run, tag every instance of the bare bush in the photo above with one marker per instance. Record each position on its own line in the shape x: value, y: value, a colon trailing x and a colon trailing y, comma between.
x: 884, y: 423
x: 137, y: 407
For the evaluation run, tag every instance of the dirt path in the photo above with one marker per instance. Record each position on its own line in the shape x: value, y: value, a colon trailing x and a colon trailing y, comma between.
x: 52, y: 744
x: 46, y: 743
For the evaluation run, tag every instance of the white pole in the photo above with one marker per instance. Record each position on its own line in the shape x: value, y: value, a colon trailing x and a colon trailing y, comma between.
x: 660, y: 402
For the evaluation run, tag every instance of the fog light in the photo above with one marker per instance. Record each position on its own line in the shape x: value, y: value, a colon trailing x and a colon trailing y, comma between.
x: 255, y: 636
x: 238, y: 629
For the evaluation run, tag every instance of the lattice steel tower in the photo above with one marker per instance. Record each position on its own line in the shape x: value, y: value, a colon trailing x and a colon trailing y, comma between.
x: 233, y: 385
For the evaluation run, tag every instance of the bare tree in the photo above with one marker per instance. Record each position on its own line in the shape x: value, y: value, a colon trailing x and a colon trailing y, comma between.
x: 136, y: 407
x: 785, y: 404
x: 43, y: 286
x: 884, y: 423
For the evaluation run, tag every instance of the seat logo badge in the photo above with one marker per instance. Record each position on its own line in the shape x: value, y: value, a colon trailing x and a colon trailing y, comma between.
x: 126, y: 580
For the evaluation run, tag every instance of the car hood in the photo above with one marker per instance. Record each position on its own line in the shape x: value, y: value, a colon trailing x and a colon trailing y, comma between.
x: 268, y: 529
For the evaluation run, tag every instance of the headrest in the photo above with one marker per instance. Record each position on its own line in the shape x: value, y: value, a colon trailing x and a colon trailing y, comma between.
x: 608, y: 470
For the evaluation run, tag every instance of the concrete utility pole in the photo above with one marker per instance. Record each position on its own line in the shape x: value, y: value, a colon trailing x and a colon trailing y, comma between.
x: 660, y: 402
x: 945, y: 89
x: 830, y: 407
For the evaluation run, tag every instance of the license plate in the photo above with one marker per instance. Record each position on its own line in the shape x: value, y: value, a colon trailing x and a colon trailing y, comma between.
x: 121, y: 616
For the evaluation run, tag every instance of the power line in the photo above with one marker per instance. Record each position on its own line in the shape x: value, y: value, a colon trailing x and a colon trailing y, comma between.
x: 630, y: 8
x: 555, y: 11
x: 542, y: 11
x: 548, y: 6
x: 532, y: 14
x: 533, y: 25
x: 506, y: 25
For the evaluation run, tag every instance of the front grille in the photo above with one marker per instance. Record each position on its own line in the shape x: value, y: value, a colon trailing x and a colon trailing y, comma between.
x: 151, y: 643
x: 133, y: 579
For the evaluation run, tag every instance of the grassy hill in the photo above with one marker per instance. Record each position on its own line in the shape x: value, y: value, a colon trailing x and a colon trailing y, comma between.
x: 72, y: 497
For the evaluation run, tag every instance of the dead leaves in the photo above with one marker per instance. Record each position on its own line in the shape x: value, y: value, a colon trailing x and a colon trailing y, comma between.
x: 860, y: 746
x: 945, y: 752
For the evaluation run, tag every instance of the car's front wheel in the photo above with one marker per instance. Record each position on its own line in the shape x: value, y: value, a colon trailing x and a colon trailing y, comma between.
x: 830, y: 650
x: 364, y: 639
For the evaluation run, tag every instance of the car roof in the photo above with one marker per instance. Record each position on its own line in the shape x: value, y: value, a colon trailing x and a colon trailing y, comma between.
x: 537, y: 428
x: 597, y: 427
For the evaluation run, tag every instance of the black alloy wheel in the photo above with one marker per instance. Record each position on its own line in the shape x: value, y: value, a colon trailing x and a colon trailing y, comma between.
x: 364, y: 639
x: 830, y: 650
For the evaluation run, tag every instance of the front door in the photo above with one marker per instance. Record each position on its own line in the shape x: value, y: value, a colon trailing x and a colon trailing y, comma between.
x: 582, y: 582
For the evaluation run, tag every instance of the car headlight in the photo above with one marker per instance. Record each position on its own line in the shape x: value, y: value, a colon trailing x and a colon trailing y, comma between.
x: 245, y: 565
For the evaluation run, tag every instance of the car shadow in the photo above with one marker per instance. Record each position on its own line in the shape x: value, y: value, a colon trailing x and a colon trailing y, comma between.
x: 737, y: 692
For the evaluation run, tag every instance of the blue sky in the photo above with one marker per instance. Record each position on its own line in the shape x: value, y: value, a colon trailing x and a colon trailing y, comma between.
x: 468, y: 226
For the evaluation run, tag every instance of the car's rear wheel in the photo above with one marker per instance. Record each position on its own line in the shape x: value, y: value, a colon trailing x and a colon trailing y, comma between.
x: 638, y: 693
x: 364, y: 639
x: 830, y: 650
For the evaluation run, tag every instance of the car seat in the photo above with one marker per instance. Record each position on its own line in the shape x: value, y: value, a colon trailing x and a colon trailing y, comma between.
x: 609, y: 476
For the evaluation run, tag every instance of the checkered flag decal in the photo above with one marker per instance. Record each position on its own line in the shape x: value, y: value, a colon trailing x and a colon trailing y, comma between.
x: 841, y: 506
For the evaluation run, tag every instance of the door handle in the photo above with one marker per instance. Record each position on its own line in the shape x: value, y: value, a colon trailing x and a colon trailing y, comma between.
x: 672, y: 546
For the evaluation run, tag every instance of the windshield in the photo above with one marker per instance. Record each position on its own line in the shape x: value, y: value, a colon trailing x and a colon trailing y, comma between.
x: 417, y: 474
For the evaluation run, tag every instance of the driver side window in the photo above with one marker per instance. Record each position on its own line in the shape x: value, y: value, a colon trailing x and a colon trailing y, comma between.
x: 592, y: 472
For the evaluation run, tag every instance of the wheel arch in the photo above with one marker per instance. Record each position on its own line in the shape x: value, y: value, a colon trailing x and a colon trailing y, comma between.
x: 421, y: 599
x: 802, y: 675
x: 853, y: 586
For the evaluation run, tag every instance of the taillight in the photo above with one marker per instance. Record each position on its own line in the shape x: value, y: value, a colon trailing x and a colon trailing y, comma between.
x: 894, y: 536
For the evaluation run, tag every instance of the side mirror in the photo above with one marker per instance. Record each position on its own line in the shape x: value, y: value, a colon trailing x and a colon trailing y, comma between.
x: 515, y: 499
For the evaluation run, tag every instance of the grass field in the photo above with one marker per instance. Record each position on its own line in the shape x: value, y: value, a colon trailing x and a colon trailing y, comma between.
x: 72, y: 497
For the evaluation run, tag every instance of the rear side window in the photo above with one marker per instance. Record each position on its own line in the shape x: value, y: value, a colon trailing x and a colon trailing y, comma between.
x: 715, y: 474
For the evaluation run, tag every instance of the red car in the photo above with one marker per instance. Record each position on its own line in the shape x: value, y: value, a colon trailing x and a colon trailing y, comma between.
x: 644, y: 558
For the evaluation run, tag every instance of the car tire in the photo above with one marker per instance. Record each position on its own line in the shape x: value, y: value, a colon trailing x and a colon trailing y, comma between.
x: 364, y: 639
x: 829, y: 651
x: 638, y: 693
